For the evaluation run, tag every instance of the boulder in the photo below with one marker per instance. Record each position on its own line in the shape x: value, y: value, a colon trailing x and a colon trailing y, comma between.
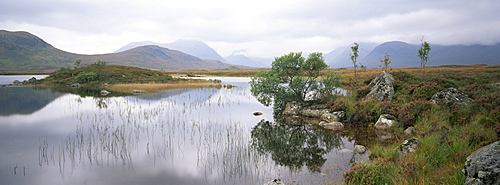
x: 360, y: 149
x: 292, y: 108
x: 334, y: 116
x: 385, y: 121
x: 408, y: 146
x: 410, y: 131
x: 104, y: 92
x: 16, y: 82
x: 451, y: 97
x: 275, y: 182
x: 315, y: 113
x: 483, y: 165
x: 332, y: 125
x: 381, y: 88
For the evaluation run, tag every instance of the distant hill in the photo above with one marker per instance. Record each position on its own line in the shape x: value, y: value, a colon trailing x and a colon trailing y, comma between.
x: 192, y: 47
x: 340, y: 57
x: 22, y: 51
x: 404, y: 55
x: 241, y: 59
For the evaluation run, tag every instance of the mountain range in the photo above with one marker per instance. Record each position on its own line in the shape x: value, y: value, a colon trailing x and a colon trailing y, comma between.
x: 405, y: 55
x: 22, y: 51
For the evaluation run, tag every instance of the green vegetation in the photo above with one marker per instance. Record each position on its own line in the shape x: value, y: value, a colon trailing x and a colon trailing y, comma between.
x: 99, y: 73
x: 423, y: 53
x: 448, y: 134
x: 354, y: 57
x: 291, y: 78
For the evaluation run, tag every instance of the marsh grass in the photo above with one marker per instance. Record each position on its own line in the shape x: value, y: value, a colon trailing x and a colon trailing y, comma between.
x: 152, y: 88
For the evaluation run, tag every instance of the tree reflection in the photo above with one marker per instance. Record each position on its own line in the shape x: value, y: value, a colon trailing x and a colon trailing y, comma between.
x: 294, y: 146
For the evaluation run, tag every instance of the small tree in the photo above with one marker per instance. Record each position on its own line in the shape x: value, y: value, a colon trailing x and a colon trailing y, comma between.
x: 385, y: 62
x: 291, y: 78
x: 77, y: 63
x: 354, y: 57
x: 423, y: 53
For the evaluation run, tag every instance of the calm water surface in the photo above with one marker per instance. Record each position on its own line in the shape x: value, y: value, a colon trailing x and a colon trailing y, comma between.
x: 202, y: 136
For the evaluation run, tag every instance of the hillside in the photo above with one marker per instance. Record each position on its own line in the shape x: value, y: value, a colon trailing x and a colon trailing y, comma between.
x: 241, y: 59
x: 192, y: 47
x: 22, y: 51
x: 405, y: 55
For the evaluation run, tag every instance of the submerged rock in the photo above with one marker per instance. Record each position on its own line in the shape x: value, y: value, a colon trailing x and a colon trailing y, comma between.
x: 385, y: 121
x: 483, y: 165
x: 382, y: 88
x: 275, y: 182
x: 139, y: 91
x: 332, y: 125
x: 451, y: 97
x: 360, y: 149
x: 334, y: 116
x: 257, y: 113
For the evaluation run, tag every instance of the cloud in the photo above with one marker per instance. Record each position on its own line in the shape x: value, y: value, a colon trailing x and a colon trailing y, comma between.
x: 262, y: 28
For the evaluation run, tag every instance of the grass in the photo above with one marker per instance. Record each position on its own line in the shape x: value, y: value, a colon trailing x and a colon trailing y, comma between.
x: 448, y: 135
x: 152, y: 88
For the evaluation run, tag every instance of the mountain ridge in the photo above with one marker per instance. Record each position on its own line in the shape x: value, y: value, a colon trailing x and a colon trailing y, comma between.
x: 23, y: 51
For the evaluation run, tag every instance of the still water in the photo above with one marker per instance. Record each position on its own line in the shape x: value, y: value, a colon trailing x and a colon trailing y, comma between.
x: 185, y: 136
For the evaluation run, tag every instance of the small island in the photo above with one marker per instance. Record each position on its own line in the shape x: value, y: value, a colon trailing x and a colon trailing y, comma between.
x: 117, y: 79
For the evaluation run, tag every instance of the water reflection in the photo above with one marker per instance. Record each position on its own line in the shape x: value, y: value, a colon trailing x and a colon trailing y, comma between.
x: 25, y: 100
x: 295, y: 146
x: 200, y: 136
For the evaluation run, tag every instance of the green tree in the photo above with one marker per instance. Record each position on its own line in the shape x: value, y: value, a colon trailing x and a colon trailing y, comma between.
x: 77, y: 63
x: 354, y: 57
x: 292, y: 78
x: 385, y: 62
x: 423, y: 53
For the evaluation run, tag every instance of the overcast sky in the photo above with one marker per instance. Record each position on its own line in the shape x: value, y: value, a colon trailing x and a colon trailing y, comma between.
x: 260, y: 28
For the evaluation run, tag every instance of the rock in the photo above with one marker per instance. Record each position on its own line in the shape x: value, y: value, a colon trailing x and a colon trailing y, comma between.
x: 315, y: 113
x: 332, y: 125
x: 451, y: 97
x: 292, y: 108
x: 383, y: 135
x: 31, y: 81
x: 382, y: 88
x: 16, y: 82
x: 257, y: 113
x: 408, y: 146
x: 275, y: 182
x: 360, y: 149
x: 410, y: 131
x: 483, y: 165
x: 385, y: 121
x: 104, y: 92
x: 334, y: 116
x: 76, y: 85
x: 139, y: 91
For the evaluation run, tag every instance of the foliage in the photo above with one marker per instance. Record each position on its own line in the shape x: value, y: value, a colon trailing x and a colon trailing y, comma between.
x: 292, y: 78
x: 423, y: 53
x: 354, y: 57
x: 385, y: 62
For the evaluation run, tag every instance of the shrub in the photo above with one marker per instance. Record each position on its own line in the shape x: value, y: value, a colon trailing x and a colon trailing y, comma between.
x: 86, y: 77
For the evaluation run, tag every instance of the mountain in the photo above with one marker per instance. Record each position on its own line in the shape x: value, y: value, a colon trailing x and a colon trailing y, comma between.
x: 22, y: 51
x: 405, y: 55
x: 192, y: 47
x: 341, y: 57
x: 241, y: 59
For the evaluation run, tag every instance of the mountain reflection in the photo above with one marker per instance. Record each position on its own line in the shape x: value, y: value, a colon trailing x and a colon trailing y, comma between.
x: 25, y: 100
x: 295, y: 146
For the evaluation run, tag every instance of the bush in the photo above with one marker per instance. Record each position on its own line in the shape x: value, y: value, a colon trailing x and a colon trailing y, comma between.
x: 86, y: 77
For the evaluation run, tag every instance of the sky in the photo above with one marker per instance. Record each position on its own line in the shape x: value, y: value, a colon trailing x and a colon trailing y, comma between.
x: 257, y: 28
